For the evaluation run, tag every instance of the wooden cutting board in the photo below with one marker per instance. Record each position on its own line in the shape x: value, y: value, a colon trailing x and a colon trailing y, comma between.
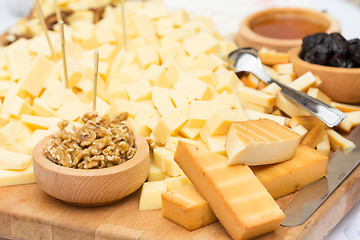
x: 26, y: 212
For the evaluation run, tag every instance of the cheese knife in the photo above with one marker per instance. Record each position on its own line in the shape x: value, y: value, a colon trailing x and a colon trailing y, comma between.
x: 310, y: 198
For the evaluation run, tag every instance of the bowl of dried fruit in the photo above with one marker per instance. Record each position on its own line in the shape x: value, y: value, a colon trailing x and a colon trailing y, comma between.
x: 96, y: 163
x: 281, y: 29
x: 335, y: 60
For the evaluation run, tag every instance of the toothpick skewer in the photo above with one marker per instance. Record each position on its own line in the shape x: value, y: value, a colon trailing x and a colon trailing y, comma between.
x: 124, y: 24
x: 57, y: 11
x: 62, y: 41
x: 40, y: 14
x: 96, y: 70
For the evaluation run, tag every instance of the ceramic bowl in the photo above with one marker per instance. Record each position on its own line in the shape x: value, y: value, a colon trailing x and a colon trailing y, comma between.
x: 247, y: 37
x: 91, y: 187
x: 340, y: 84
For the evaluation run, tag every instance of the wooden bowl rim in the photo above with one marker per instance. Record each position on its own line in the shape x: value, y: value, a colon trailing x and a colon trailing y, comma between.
x: 296, y: 60
x: 334, y: 25
x: 142, y: 149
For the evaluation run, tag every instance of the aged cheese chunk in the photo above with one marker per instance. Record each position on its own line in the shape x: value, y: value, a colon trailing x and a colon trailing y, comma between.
x: 15, y: 177
x: 257, y: 142
x: 33, y: 81
x: 272, y: 57
x: 314, y: 136
x: 280, y: 179
x: 300, y: 129
x: 176, y: 182
x: 256, y: 96
x: 150, y: 197
x: 171, y: 167
x: 272, y: 89
x: 235, y: 195
x: 14, y: 160
x: 170, y: 124
x: 186, y: 207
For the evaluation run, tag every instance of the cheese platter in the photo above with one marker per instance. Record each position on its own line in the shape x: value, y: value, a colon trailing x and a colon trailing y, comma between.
x: 169, y: 74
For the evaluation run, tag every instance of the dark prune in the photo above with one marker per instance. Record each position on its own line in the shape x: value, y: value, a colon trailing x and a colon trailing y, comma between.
x: 331, y: 50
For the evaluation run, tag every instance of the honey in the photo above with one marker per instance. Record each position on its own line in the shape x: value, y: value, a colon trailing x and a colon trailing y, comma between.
x: 287, y: 26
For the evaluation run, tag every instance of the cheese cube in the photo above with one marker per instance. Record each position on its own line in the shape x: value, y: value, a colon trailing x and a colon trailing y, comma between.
x: 42, y: 110
x: 200, y: 112
x: 15, y: 177
x: 33, y: 81
x: 160, y: 153
x: 179, y: 17
x: 147, y: 56
x: 40, y: 122
x: 156, y: 75
x: 171, y: 50
x: 304, y: 82
x: 18, y: 62
x: 286, y: 78
x: 199, y: 89
x: 155, y: 174
x: 189, y: 132
x: 186, y: 207
x: 271, y: 57
x: 272, y: 89
x: 171, y: 167
x: 172, y: 142
x: 181, y: 95
x: 139, y: 127
x: 150, y: 197
x: 217, y: 144
x: 14, y: 160
x: 140, y: 90
x: 19, y: 106
x: 255, y: 107
x: 289, y: 107
x: 256, y: 96
x: 254, y: 115
x: 336, y: 140
x: 207, y: 63
x: 223, y: 101
x: 176, y: 182
x: 219, y: 123
x: 236, y: 196
x: 206, y: 76
x: 324, y: 145
x: 56, y: 95
x: 226, y: 81
x: 257, y: 142
x: 202, y: 42
x: 163, y: 26
x: 72, y: 110
x: 280, y: 179
x: 307, y: 122
x: 10, y: 132
x: 101, y: 107
x: 4, y: 87
x: 299, y: 129
x: 161, y: 100
x: 284, y: 68
x: 314, y: 136
x: 316, y: 93
x: 345, y: 107
x: 118, y: 105
x: 13, y: 91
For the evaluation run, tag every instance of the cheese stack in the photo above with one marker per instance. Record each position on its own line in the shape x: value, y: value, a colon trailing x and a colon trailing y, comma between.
x: 236, y: 196
x: 259, y: 142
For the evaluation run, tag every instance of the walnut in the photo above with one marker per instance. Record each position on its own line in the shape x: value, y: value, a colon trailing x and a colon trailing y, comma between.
x: 100, y: 142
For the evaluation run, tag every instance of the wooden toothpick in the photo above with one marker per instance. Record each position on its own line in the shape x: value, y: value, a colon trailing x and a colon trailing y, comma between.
x: 57, y: 11
x: 40, y: 14
x: 124, y: 24
x: 62, y: 41
x: 96, y: 70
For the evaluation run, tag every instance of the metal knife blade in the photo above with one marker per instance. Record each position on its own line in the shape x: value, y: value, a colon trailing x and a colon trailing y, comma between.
x: 310, y: 198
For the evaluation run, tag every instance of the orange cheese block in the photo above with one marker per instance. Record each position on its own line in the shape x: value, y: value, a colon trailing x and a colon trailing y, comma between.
x: 235, y: 195
x: 257, y: 142
x: 280, y: 179
x: 185, y: 206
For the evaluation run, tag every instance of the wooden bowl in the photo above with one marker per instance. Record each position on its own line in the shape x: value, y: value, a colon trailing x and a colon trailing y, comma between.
x: 91, y: 187
x: 340, y: 84
x: 247, y: 37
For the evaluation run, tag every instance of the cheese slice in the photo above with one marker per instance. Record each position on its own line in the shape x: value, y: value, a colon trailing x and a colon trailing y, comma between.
x: 14, y: 177
x: 256, y: 142
x: 186, y: 207
x: 14, y: 160
x: 280, y: 179
x: 235, y: 195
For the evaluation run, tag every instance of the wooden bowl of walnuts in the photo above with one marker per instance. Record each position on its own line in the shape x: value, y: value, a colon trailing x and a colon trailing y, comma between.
x: 341, y: 84
x: 71, y: 182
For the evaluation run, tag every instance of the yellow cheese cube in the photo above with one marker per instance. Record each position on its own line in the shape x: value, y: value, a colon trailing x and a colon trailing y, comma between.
x: 289, y: 107
x: 118, y: 91
x: 186, y: 207
x: 176, y: 182
x: 219, y: 123
x: 74, y: 71
x: 272, y: 89
x: 254, y: 115
x: 56, y: 95
x: 4, y: 87
x: 160, y: 153
x: 139, y: 127
x: 14, y: 160
x: 171, y: 50
x: 13, y: 91
x: 41, y: 109
x: 256, y: 96
x: 324, y: 145
x: 33, y: 81
x: 18, y: 62
x: 10, y: 132
x: 19, y: 106
x: 170, y: 124
x: 161, y: 100
x: 118, y: 105
x: 236, y: 196
x: 171, y: 167
x: 207, y: 62
x: 336, y: 140
x: 304, y: 82
x: 200, y: 112
x: 150, y: 197
x: 226, y: 81
x: 181, y: 95
x: 179, y: 17
x: 155, y: 174
x: 223, y: 101
x: 345, y: 107
x: 255, y: 107
x: 139, y: 90
x: 217, y: 144
x: 202, y: 42
x: 286, y: 78
x: 163, y: 26
x: 300, y: 129
x: 189, y: 132
x: 316, y: 93
x: 156, y: 75
x: 15, y: 177
x: 72, y: 110
x: 147, y: 56
x: 172, y: 142
x: 199, y: 89
x: 206, y: 76
x: 257, y: 142
x: 284, y: 68
x: 307, y: 165
x: 40, y: 122
x: 101, y: 107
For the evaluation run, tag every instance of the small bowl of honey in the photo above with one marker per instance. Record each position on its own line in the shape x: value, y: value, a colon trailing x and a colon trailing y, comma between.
x: 281, y: 29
